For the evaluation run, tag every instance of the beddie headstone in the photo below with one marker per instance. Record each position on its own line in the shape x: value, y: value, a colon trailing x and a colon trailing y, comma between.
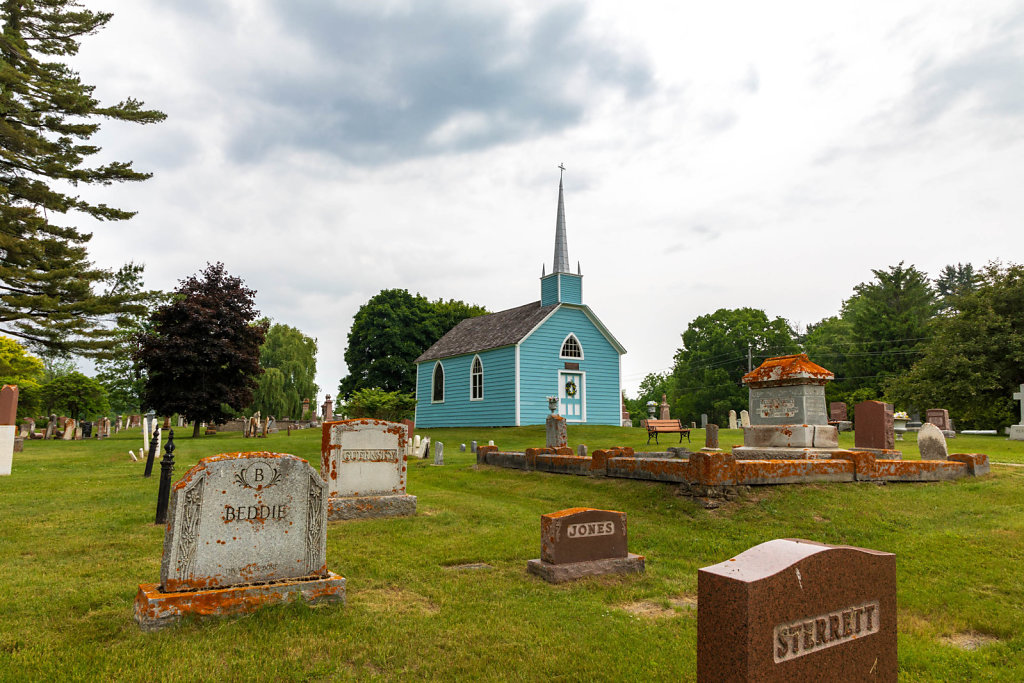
x: 794, y: 610
x: 580, y: 542
x: 364, y: 464
x: 245, y: 530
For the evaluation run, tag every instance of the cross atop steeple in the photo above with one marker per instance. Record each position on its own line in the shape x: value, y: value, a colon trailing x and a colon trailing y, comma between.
x: 561, y: 264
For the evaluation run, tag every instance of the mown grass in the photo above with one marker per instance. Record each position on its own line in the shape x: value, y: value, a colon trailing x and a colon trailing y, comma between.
x: 78, y: 537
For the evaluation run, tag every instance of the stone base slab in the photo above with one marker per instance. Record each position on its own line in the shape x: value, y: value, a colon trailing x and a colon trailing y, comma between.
x: 1016, y: 432
x: 881, y: 453
x: 369, y: 507
x: 791, y: 436
x: 560, y: 573
x: 155, y: 609
x: 767, y: 453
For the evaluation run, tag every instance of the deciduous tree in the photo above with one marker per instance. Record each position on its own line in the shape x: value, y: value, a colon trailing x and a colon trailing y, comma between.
x: 201, y: 357
x: 48, y: 294
x: 75, y: 395
x: 292, y: 357
x: 389, y: 332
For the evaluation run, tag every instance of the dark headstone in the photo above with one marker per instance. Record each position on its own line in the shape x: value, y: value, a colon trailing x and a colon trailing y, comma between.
x: 938, y: 417
x: 583, y: 542
x: 711, y: 436
x: 793, y: 610
x: 837, y: 411
x: 873, y: 425
x: 87, y: 430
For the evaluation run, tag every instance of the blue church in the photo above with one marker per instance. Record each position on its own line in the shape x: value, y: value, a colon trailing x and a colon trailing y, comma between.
x: 497, y: 370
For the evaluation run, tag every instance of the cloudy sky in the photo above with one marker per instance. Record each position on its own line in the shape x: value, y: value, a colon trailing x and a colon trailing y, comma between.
x: 718, y: 155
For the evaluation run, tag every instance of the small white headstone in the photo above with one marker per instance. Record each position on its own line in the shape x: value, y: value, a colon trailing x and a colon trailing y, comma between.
x: 744, y: 418
x: 931, y: 443
x: 732, y: 419
x: 438, y: 453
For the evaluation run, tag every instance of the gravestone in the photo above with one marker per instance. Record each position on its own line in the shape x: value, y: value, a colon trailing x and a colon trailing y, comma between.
x: 51, y: 428
x: 69, y: 430
x: 873, y: 426
x: 581, y: 542
x: 626, y: 421
x: 581, y: 450
x: 787, y: 409
x: 462, y: 448
x: 472, y: 447
x: 938, y: 417
x: 837, y: 411
x: 555, y: 432
x: 711, y: 438
x: 364, y: 464
x: 703, y: 420
x: 438, y: 453
x: 664, y: 412
x: 23, y: 430
x: 8, y: 415
x: 86, y: 430
x: 931, y: 443
x: 245, y: 530
x: 794, y: 610
x: 328, y: 408
x: 1017, y: 430
x: 744, y: 418
x: 305, y: 409
x: 732, y: 419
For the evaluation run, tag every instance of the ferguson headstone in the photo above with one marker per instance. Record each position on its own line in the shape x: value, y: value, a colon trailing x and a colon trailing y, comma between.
x: 582, y: 542
x: 794, y: 610
x: 364, y: 464
x: 245, y: 530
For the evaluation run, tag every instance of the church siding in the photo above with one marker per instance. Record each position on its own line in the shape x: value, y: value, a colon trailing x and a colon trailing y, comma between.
x: 540, y: 364
x: 549, y: 290
x: 497, y: 409
x: 572, y: 288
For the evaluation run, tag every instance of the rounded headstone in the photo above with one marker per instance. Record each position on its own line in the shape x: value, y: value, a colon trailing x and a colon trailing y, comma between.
x: 931, y: 443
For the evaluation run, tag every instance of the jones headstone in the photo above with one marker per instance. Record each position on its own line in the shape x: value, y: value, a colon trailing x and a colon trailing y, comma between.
x: 932, y: 443
x: 237, y: 521
x: 793, y: 610
x: 873, y: 425
x: 364, y: 464
x: 582, y: 542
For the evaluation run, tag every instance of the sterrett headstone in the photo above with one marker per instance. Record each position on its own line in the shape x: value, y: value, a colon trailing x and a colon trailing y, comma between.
x: 364, y: 464
x: 245, y: 530
x: 582, y: 542
x: 932, y: 443
x: 794, y: 610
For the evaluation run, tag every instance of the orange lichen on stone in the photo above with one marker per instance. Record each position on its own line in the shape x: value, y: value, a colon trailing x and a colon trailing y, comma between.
x: 786, y: 369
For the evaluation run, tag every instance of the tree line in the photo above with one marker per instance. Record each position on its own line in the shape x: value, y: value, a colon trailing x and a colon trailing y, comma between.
x: 955, y: 341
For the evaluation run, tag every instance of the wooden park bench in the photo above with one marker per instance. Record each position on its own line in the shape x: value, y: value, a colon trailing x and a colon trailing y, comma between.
x: 655, y: 427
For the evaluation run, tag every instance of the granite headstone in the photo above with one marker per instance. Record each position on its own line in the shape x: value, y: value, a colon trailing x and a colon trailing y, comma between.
x: 580, y: 542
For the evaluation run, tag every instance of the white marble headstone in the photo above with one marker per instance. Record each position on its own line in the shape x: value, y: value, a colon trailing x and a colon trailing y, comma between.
x: 364, y: 457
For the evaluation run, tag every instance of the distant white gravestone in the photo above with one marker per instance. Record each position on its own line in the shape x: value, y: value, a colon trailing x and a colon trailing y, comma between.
x: 364, y: 464
x: 1017, y: 430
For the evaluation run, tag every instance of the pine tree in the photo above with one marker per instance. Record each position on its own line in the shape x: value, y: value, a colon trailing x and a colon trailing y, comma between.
x: 47, y: 116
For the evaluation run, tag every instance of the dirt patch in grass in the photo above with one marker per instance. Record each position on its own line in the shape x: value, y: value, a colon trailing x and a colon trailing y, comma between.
x: 393, y: 601
x: 661, y: 609
x: 969, y: 640
x: 471, y: 565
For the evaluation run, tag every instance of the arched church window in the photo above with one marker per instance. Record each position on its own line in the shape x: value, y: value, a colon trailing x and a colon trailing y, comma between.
x: 476, y: 380
x: 571, y: 348
x: 437, y: 396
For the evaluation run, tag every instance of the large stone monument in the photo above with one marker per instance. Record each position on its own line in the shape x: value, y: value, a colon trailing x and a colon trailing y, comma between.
x: 8, y: 415
x: 245, y: 530
x: 1017, y: 430
x: 787, y: 411
x: 794, y: 610
x: 582, y: 542
x: 364, y: 464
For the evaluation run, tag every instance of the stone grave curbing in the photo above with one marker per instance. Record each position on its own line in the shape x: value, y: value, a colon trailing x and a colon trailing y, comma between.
x: 580, y: 542
x: 245, y: 530
x: 364, y: 463
x: 790, y: 609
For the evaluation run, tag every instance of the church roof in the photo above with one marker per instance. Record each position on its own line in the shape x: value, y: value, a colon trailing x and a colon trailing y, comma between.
x: 488, y: 331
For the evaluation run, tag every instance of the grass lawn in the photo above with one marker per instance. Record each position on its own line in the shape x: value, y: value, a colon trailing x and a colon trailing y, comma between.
x: 78, y: 537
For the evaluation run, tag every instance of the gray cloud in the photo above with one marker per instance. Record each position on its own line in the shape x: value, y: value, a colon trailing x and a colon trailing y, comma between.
x: 429, y: 80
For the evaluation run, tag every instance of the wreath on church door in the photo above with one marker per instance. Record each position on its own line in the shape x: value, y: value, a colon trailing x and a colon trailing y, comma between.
x: 570, y: 388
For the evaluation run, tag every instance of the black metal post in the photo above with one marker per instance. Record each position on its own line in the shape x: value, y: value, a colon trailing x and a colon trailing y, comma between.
x: 166, y: 470
x: 152, y: 453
